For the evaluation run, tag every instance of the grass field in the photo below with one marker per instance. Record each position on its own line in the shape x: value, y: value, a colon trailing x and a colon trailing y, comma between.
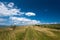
x: 29, y: 33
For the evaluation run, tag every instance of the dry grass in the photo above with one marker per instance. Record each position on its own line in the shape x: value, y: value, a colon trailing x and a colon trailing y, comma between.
x: 29, y: 33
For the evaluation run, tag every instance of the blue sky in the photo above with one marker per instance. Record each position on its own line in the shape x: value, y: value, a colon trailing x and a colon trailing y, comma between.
x: 32, y: 11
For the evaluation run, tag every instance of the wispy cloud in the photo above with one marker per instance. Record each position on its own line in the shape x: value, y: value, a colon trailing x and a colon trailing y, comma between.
x: 23, y: 21
x: 30, y: 14
x: 50, y: 23
x: 2, y: 20
x: 10, y: 10
x: 10, y: 5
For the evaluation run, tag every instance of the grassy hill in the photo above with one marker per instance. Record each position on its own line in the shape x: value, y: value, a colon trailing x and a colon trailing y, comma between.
x: 29, y: 33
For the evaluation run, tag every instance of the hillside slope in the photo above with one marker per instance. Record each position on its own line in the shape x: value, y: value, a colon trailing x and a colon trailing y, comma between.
x: 29, y: 33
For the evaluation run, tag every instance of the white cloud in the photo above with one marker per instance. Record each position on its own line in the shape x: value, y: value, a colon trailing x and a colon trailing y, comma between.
x: 53, y: 23
x: 50, y: 23
x: 11, y: 10
x: 23, y: 21
x: 2, y: 20
x: 30, y: 14
x: 6, y: 11
x: 10, y: 4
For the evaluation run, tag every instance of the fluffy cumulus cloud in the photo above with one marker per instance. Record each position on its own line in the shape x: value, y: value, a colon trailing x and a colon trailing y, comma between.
x: 8, y: 9
x: 23, y: 21
x: 30, y: 14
